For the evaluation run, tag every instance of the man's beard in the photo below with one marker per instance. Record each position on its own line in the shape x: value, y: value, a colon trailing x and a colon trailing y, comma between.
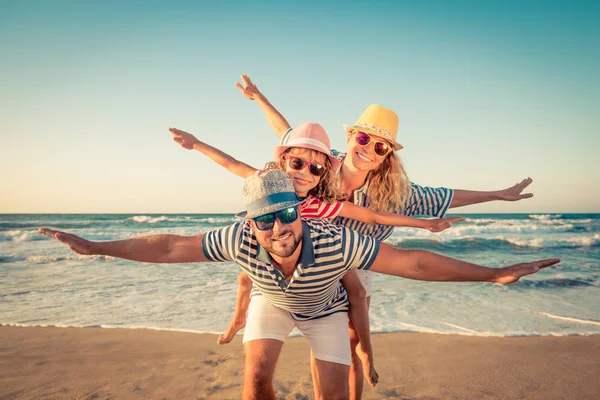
x: 286, y: 251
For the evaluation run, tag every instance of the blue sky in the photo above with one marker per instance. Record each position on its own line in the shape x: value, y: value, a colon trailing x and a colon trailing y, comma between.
x: 487, y: 94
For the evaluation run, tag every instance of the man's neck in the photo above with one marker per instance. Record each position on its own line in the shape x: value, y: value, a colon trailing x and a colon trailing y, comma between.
x: 351, y: 178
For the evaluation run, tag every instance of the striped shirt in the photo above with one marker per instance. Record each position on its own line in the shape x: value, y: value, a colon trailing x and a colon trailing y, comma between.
x: 315, y: 208
x: 423, y: 200
x: 315, y: 291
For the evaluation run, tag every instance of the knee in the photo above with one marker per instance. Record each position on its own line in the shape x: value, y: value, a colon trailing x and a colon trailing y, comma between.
x: 257, y: 375
x: 354, y: 339
x: 244, y: 281
x: 358, y: 295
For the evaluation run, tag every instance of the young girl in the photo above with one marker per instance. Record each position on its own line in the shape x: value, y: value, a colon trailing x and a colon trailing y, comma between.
x: 306, y: 157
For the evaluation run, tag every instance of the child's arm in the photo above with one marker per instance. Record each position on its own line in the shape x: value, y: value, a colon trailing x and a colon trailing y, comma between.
x: 359, y: 315
x: 242, y: 302
x: 363, y: 214
x: 276, y: 121
x: 189, y: 141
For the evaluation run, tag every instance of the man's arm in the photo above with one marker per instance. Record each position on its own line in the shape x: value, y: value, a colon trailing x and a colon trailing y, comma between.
x: 513, y: 193
x: 427, y: 266
x: 151, y: 249
x: 276, y: 121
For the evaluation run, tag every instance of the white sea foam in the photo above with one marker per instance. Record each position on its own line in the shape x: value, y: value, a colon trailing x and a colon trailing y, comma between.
x: 545, y: 216
x: 146, y: 219
x: 71, y: 256
x: 570, y: 319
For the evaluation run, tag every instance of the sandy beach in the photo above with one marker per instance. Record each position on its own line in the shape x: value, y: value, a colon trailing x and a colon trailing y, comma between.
x: 97, y: 363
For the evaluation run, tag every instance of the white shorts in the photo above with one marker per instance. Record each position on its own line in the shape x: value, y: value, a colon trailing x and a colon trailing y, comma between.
x: 366, y: 278
x: 327, y: 337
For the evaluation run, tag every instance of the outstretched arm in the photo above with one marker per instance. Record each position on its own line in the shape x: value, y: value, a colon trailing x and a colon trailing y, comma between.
x: 513, y: 193
x: 151, y: 249
x: 189, y: 142
x: 363, y: 214
x: 427, y: 266
x: 276, y: 121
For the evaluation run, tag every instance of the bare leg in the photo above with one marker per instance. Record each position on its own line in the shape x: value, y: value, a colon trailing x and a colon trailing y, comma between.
x: 333, y: 379
x: 356, y: 371
x: 359, y: 316
x: 260, y: 358
x: 241, y: 308
x: 315, y: 377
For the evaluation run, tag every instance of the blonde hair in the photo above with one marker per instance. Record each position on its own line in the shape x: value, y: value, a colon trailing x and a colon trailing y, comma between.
x: 328, y: 189
x: 389, y: 186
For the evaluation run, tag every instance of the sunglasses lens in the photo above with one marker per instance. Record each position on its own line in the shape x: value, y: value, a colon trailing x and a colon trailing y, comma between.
x: 288, y: 215
x: 362, y: 138
x: 381, y: 149
x: 296, y: 163
x: 265, y: 222
x: 316, y: 169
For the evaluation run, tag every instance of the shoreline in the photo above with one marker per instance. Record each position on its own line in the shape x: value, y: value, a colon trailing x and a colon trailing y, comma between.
x: 297, y: 333
x: 52, y: 362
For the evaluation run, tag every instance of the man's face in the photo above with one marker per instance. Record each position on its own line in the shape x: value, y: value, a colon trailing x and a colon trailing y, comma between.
x: 281, y: 240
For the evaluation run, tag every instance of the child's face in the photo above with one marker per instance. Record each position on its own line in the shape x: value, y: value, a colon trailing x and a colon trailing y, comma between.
x: 304, y: 181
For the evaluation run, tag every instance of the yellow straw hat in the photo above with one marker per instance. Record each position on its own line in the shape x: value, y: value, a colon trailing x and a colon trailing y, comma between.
x: 377, y: 121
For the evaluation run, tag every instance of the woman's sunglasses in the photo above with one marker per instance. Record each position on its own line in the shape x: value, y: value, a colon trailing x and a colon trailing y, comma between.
x: 298, y: 164
x: 286, y: 216
x: 382, y: 149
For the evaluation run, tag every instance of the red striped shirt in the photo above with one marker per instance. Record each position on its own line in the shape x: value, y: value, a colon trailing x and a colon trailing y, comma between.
x: 315, y: 208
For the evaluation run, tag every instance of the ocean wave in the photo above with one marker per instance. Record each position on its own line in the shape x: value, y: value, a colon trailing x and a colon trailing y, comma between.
x: 545, y: 216
x: 146, y: 219
x: 67, y: 257
x: 497, y: 242
x: 554, y: 283
x: 19, y: 236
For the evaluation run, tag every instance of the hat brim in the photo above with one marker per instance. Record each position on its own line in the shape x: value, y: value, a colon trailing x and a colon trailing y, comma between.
x: 350, y: 129
x: 270, y: 209
x: 335, y: 163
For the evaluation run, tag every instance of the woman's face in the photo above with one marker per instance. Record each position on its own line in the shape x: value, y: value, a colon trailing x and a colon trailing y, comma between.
x: 304, y: 181
x: 363, y: 157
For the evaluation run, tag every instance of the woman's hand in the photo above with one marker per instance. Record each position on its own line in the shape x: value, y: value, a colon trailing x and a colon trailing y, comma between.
x: 184, y: 139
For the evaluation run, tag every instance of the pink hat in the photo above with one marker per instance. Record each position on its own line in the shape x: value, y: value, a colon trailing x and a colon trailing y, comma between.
x: 308, y: 135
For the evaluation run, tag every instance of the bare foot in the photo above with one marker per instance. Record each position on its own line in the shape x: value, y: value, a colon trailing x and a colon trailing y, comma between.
x: 234, y: 326
x: 366, y: 359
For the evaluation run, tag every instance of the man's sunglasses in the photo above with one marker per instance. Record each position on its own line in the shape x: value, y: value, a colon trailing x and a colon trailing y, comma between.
x: 286, y: 216
x: 382, y: 149
x: 298, y: 164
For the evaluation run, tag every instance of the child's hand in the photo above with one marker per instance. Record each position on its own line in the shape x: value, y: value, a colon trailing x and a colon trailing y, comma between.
x: 440, y: 224
x: 184, y: 139
x: 248, y: 88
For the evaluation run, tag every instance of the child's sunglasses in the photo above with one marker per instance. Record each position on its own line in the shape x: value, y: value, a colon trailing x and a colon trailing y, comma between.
x: 382, y: 149
x: 298, y: 164
x: 286, y: 216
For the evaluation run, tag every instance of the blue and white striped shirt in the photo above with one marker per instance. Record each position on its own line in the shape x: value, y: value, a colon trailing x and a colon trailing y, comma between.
x: 315, y: 291
x: 423, y: 200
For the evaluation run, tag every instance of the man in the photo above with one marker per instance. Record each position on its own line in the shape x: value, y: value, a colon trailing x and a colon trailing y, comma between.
x: 295, y: 267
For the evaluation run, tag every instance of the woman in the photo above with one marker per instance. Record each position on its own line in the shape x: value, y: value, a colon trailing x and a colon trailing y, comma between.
x: 372, y: 176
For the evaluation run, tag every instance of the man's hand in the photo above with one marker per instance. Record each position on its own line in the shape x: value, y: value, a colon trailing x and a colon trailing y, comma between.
x: 248, y: 88
x: 75, y: 243
x: 513, y: 193
x: 440, y: 224
x: 513, y: 273
x: 184, y: 139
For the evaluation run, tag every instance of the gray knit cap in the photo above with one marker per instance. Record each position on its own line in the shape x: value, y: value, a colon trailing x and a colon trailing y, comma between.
x: 268, y: 193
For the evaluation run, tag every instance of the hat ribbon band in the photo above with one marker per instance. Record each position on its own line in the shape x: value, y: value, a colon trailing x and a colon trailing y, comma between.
x: 270, y: 200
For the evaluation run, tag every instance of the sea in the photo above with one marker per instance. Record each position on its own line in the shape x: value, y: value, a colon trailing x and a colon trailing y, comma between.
x: 43, y: 283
